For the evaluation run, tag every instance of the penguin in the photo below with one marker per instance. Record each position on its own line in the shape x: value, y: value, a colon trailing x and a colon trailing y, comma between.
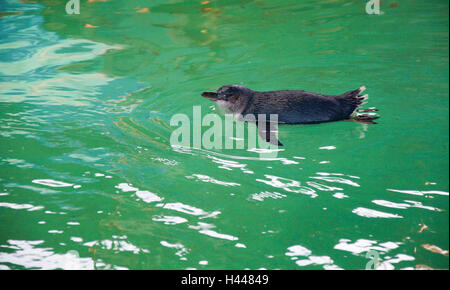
x: 290, y: 106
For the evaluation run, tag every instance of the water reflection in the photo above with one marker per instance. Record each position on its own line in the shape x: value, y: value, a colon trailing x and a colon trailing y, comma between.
x: 208, y: 179
x: 421, y: 192
x: 203, y: 228
x: 206, y: 229
x: 385, y: 262
x: 303, y: 257
x: 181, y: 250
x: 371, y: 213
x: 266, y: 194
x: 169, y: 220
x: 30, y: 255
x: 336, y: 179
x: 288, y: 185
x: 408, y: 204
x: 26, y: 206
x: 217, y: 155
x: 364, y: 245
x: 88, y: 164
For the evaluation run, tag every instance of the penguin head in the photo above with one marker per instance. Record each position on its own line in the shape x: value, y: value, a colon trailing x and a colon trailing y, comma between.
x: 230, y: 96
x: 229, y: 93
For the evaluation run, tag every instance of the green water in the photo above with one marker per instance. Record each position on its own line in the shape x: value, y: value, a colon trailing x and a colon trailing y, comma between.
x: 89, y: 178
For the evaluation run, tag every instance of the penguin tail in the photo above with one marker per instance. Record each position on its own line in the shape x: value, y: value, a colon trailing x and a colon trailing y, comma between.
x: 352, y: 100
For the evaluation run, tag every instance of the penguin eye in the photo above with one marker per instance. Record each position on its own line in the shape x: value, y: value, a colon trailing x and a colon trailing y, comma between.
x: 224, y: 94
x: 231, y: 92
x: 228, y: 93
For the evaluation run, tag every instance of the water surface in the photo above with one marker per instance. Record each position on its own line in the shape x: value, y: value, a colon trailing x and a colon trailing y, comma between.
x: 89, y: 179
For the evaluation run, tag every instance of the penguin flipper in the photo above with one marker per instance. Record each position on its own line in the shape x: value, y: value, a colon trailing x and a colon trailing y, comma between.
x: 268, y: 131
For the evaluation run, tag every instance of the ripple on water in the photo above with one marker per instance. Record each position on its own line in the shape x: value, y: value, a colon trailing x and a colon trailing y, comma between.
x: 117, y: 243
x: 28, y: 207
x: 289, y: 185
x: 337, y: 180
x: 169, y: 220
x: 408, y: 204
x: 371, y: 213
x: 56, y: 86
x: 184, y: 208
x: 421, y: 192
x: 364, y: 245
x: 266, y: 194
x: 29, y: 255
x: 201, y: 227
x: 297, y: 251
x: 52, y: 183
x: 226, y: 157
x: 208, y: 179
x: 181, y: 250
x: 206, y: 229
x: 361, y: 246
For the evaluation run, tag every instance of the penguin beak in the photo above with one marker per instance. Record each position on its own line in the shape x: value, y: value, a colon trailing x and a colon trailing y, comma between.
x: 211, y: 95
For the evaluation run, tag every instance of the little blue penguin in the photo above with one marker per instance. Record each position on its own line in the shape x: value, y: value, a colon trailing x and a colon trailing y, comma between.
x: 291, y: 107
